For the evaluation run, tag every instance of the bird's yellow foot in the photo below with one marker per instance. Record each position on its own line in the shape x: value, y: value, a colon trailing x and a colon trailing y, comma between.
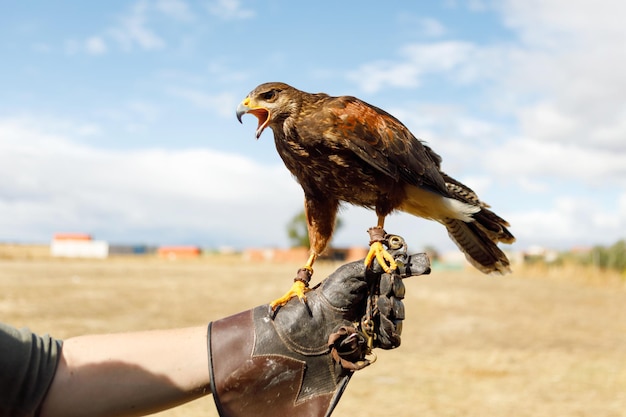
x: 377, y: 250
x: 383, y: 257
x: 299, y: 288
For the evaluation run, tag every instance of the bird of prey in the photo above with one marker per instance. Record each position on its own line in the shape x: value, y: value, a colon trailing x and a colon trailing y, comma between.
x: 341, y: 149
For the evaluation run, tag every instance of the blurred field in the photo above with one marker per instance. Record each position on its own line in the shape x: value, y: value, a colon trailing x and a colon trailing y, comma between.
x: 537, y: 343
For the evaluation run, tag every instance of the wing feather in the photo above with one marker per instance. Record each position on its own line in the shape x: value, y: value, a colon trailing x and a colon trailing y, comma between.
x: 380, y: 140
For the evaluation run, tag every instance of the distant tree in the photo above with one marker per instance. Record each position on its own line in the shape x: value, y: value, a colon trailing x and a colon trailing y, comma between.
x: 612, y: 257
x: 297, y: 231
x: 599, y: 256
x: 299, y: 234
x: 617, y: 256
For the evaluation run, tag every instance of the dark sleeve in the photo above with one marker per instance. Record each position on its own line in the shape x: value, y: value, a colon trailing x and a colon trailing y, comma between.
x: 27, y: 366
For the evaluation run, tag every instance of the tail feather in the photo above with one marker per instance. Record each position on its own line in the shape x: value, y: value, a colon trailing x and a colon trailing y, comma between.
x: 474, y: 228
x: 479, y: 237
x: 479, y: 249
x: 494, y: 226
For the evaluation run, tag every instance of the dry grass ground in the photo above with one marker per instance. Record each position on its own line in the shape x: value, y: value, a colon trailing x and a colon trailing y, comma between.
x: 537, y: 343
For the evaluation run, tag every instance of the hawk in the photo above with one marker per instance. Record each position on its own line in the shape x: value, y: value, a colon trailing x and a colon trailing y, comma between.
x: 342, y: 149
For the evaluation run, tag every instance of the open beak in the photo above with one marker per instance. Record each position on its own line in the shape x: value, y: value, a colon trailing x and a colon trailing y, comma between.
x: 261, y: 113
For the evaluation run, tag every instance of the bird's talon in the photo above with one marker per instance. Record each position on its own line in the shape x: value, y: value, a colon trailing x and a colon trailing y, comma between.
x: 298, y: 289
x: 272, y: 311
x: 383, y: 257
x: 386, y: 261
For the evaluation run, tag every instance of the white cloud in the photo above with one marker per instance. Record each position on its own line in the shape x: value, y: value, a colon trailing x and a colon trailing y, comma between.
x: 559, y: 21
x: 431, y: 27
x: 548, y: 121
x: 572, y: 59
x: 143, y: 110
x: 133, y: 30
x: 95, y: 45
x: 417, y: 60
x: 72, y: 46
x: 532, y: 185
x: 566, y: 162
x: 456, y: 62
x: 562, y: 78
x: 374, y: 76
x: 229, y: 10
x: 622, y: 204
x: 461, y: 140
x: 568, y: 222
x: 426, y: 26
x: 220, y: 103
x: 177, y: 9
x: 55, y: 126
x: 50, y: 183
x: 225, y: 74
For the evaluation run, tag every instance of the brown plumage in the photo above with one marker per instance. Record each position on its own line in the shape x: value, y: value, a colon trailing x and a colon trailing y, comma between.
x: 341, y: 149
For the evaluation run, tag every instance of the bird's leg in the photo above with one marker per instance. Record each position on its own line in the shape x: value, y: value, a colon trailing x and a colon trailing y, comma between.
x: 300, y: 284
x: 320, y: 217
x: 377, y: 250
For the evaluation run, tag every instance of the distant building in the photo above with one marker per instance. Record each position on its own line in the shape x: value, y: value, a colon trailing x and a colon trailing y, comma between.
x: 78, y: 245
x: 72, y: 236
x: 539, y: 253
x: 179, y: 252
x: 131, y: 250
x: 300, y: 254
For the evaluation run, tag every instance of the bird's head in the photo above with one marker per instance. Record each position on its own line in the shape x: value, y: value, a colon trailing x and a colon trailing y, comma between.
x: 269, y: 102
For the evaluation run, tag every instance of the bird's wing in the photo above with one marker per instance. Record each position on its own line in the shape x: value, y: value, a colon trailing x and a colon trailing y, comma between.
x: 379, y: 139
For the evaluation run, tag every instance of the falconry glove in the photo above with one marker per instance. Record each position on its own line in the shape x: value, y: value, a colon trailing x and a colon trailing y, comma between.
x: 299, y: 361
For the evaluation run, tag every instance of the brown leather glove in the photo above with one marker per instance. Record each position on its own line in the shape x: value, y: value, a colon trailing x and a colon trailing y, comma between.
x: 299, y: 362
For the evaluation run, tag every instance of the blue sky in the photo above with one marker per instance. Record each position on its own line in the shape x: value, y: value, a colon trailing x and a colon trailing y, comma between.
x: 117, y: 118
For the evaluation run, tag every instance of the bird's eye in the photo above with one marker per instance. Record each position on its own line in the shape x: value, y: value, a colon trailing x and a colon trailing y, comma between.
x: 269, y: 95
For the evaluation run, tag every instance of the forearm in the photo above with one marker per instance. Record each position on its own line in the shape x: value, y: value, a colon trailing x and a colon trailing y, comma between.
x: 129, y: 374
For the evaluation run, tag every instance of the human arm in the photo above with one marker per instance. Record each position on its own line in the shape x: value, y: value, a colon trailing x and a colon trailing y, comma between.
x: 128, y: 374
